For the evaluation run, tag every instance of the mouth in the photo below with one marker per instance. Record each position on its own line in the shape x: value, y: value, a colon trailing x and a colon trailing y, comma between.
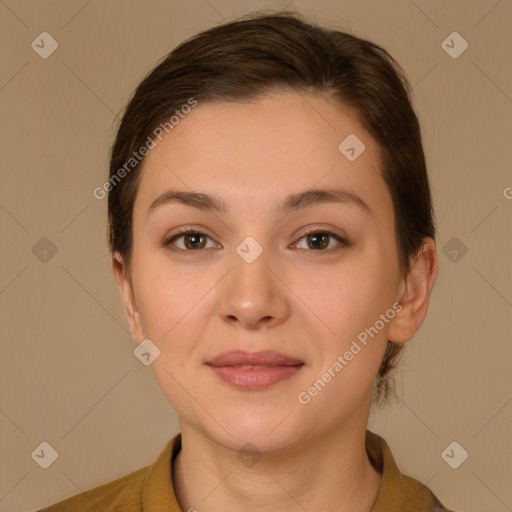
x: 254, y: 371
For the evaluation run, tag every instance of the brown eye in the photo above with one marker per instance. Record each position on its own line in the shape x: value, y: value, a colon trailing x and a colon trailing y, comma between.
x: 189, y: 241
x: 321, y: 240
x: 194, y: 241
x: 318, y: 241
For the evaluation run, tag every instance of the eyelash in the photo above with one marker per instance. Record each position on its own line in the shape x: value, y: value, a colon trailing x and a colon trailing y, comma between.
x: 168, y: 242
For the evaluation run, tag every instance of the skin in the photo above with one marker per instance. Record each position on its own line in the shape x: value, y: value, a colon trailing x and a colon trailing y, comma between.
x: 304, y: 302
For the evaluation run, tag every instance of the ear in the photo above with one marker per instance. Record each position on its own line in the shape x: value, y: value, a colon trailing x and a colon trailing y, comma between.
x: 414, y: 293
x: 128, y: 298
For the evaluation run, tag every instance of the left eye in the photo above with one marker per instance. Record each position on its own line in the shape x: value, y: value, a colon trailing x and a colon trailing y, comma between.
x: 320, y: 240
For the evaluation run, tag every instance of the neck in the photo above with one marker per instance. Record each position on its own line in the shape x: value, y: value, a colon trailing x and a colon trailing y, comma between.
x: 328, y: 472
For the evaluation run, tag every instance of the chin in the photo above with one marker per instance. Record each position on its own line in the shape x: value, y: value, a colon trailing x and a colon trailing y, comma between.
x: 270, y: 430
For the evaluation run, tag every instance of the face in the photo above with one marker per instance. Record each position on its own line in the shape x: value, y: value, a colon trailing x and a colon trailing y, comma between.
x: 271, y: 286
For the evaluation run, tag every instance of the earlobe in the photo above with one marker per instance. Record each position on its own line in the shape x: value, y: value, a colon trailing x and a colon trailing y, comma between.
x: 127, y: 297
x: 415, y: 296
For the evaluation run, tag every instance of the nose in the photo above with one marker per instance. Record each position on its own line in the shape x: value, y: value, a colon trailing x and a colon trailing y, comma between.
x: 253, y: 296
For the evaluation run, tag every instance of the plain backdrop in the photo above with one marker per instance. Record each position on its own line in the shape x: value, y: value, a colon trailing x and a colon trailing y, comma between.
x: 68, y: 373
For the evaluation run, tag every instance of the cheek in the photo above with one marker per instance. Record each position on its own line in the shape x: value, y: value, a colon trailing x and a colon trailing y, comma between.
x: 171, y: 301
x: 352, y: 304
x: 350, y: 297
x: 174, y: 306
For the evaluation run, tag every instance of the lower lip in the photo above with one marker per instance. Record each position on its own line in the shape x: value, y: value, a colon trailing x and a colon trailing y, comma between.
x: 251, y: 380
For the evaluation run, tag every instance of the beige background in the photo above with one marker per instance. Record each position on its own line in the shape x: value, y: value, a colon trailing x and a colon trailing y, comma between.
x: 68, y: 374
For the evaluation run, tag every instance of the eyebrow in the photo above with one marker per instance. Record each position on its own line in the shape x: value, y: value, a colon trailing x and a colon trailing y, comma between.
x: 305, y: 199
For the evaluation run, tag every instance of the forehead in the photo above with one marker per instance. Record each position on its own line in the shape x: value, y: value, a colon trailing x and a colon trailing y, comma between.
x: 264, y: 149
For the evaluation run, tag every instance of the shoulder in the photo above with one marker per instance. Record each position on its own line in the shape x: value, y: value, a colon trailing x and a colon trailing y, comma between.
x: 149, y: 486
x: 398, y: 491
x: 124, y: 493
x: 419, y: 496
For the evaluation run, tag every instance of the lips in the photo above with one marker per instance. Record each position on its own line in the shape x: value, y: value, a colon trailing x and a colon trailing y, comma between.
x: 263, y: 358
x: 254, y: 370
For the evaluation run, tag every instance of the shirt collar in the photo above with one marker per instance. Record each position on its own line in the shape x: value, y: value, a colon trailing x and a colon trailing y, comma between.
x: 158, y: 492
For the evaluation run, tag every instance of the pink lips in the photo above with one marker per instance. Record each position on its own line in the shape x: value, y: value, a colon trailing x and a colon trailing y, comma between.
x: 254, y: 371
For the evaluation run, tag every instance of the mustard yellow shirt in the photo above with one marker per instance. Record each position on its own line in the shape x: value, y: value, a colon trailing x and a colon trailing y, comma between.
x: 150, y: 489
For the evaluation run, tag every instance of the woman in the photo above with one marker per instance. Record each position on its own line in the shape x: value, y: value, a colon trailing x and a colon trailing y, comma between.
x: 272, y: 234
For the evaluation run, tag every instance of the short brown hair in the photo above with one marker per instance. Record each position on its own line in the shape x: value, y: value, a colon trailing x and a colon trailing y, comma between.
x: 256, y: 54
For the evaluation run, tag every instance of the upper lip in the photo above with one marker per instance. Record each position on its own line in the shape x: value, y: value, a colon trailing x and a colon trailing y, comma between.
x: 261, y: 358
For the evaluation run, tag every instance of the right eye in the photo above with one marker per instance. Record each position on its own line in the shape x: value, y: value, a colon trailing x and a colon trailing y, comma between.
x: 189, y: 240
